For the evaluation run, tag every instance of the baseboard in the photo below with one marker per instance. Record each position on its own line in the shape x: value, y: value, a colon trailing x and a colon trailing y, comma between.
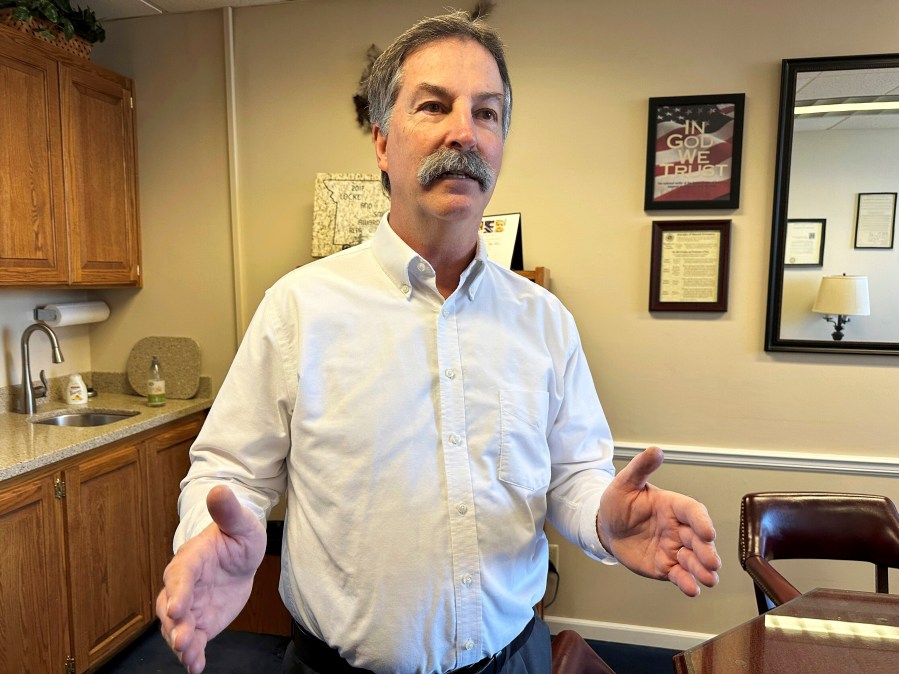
x: 640, y: 635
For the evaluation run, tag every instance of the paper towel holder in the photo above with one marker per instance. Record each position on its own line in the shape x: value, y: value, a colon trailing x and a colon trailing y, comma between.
x: 72, y: 313
x: 45, y: 314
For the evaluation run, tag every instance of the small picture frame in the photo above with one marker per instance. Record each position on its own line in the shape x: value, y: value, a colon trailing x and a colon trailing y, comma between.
x: 694, y: 149
x: 875, y: 220
x: 804, y: 242
x: 689, y: 266
x: 502, y: 237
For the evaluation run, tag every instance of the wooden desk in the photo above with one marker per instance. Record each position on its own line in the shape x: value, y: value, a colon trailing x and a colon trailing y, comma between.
x: 821, y: 632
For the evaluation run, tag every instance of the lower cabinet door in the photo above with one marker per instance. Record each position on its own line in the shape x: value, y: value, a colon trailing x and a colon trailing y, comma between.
x: 168, y: 460
x: 33, y: 609
x: 108, y: 553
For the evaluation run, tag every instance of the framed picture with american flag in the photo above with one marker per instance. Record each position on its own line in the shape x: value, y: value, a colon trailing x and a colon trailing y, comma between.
x: 694, y: 148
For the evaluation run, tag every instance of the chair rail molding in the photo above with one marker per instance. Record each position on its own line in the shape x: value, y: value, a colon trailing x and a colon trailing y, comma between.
x: 876, y: 466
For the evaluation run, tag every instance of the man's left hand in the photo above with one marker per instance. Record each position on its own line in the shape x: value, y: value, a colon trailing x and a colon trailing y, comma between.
x: 657, y: 533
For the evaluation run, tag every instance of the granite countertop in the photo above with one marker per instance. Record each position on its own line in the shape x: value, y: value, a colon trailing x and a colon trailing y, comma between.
x: 25, y: 446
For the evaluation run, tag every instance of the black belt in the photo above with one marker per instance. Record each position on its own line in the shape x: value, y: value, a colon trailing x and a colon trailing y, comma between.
x: 316, y: 654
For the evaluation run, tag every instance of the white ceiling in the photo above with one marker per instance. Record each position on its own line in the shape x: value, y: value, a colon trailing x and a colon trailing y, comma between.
x: 125, y: 9
x: 847, y: 86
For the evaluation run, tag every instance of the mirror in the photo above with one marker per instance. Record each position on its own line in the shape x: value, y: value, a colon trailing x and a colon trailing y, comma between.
x: 836, y: 180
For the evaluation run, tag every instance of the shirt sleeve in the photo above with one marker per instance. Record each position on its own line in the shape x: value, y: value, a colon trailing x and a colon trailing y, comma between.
x: 246, y: 437
x: 581, y: 447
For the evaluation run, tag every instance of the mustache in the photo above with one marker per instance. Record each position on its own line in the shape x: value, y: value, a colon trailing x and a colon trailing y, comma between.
x: 448, y: 160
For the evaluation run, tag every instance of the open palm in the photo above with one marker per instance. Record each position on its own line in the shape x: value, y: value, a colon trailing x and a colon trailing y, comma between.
x: 657, y: 533
x: 209, y: 580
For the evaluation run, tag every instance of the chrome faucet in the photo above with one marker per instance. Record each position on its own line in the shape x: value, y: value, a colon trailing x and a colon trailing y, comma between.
x: 26, y: 405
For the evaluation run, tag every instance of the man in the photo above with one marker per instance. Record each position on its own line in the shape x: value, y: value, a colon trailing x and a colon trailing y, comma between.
x: 425, y: 410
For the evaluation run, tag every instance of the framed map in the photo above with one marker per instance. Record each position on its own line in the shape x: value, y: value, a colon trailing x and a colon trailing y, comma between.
x: 346, y: 210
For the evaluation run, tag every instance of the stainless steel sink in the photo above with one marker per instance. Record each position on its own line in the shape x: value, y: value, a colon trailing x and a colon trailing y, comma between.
x: 86, y: 418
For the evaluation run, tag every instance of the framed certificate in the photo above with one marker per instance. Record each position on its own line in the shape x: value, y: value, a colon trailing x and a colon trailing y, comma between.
x: 804, y: 243
x: 875, y: 219
x: 689, y: 265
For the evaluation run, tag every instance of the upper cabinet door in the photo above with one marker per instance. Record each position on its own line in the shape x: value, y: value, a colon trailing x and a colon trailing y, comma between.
x: 32, y: 207
x: 98, y: 142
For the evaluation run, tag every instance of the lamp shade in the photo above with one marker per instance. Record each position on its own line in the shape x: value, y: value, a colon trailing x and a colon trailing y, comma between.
x: 843, y: 296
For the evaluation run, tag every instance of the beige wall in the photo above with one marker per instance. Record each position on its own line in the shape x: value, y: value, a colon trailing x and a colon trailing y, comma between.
x: 178, y: 68
x: 574, y: 168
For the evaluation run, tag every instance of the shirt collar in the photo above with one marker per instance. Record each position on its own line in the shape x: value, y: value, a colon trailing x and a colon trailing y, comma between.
x: 396, y: 258
x: 473, y: 276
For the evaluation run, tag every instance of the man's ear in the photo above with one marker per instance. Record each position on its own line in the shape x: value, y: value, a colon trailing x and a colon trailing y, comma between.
x: 379, y: 138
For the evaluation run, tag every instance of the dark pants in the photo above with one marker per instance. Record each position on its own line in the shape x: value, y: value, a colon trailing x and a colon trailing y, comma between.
x: 534, y: 657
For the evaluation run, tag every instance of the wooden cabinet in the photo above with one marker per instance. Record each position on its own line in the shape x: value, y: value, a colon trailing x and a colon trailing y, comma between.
x: 98, y: 143
x: 33, y: 239
x: 69, y: 216
x: 85, y: 542
x: 168, y: 459
x: 108, y: 552
x: 33, y: 617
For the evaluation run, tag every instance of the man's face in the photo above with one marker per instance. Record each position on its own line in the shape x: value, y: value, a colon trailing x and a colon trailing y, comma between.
x: 451, y: 97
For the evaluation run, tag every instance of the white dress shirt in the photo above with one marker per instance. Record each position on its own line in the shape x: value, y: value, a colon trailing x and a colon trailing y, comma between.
x: 421, y: 444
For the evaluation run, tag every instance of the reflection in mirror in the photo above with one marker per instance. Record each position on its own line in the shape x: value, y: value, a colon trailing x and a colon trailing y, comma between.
x: 836, y: 181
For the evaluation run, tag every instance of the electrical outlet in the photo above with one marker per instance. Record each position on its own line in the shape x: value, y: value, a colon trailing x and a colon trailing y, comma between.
x: 554, y: 555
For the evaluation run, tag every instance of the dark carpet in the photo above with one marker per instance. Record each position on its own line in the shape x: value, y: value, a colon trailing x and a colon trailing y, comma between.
x: 235, y: 652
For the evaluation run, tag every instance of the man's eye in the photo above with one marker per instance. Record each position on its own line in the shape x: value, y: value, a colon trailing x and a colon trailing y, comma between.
x: 432, y: 106
x: 488, y: 114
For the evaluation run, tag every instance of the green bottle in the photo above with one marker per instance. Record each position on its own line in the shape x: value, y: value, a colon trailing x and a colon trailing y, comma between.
x: 155, y: 385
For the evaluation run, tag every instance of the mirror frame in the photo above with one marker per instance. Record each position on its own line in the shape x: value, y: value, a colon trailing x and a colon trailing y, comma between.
x: 789, y: 70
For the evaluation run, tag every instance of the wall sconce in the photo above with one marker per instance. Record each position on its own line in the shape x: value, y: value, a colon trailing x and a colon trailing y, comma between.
x: 840, y: 297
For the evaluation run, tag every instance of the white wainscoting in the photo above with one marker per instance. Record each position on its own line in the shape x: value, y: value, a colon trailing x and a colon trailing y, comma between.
x: 874, y: 466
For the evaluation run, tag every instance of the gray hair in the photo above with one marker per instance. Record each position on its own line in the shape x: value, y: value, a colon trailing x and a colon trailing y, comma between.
x: 386, y: 76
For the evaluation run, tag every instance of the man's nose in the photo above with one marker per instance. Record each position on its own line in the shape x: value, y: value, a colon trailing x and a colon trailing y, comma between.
x: 462, y: 133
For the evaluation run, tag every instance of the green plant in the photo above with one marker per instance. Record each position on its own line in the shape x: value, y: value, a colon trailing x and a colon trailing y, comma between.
x: 80, y: 22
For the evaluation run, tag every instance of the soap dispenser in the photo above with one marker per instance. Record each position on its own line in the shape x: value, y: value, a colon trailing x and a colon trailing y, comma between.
x: 155, y: 385
x: 76, y: 391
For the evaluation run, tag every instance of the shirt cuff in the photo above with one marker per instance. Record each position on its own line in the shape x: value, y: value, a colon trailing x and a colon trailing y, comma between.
x: 198, y: 518
x: 192, y: 523
x: 590, y: 542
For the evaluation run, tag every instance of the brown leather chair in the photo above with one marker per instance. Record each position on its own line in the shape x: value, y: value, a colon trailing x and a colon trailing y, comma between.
x: 814, y: 525
x: 573, y: 655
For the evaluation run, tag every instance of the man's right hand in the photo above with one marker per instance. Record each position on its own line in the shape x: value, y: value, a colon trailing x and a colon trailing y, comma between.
x: 209, y: 581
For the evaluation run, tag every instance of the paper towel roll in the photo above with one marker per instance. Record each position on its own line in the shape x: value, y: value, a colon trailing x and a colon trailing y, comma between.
x: 72, y: 313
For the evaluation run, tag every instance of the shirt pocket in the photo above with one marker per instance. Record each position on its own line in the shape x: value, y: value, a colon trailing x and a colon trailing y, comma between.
x: 524, y: 453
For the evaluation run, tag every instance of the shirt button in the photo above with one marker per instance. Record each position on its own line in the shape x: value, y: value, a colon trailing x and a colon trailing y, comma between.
x: 404, y: 289
x: 450, y: 373
x: 468, y: 645
x: 446, y: 313
x: 454, y: 439
x: 462, y: 508
x: 422, y: 266
x: 466, y: 580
